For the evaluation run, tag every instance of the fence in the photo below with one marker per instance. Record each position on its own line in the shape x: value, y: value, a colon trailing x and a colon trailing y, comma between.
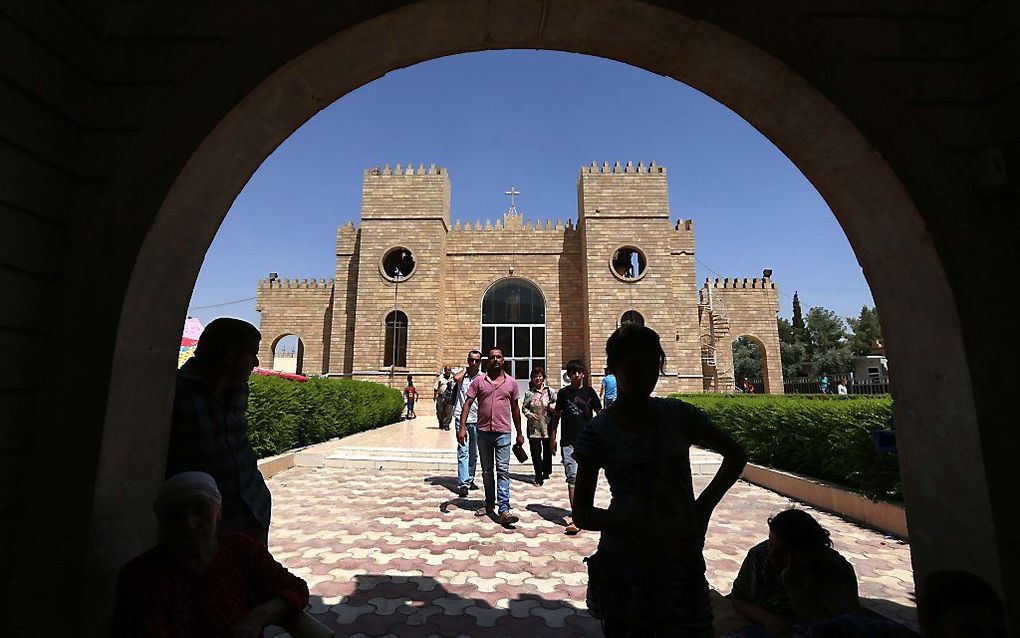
x: 813, y: 386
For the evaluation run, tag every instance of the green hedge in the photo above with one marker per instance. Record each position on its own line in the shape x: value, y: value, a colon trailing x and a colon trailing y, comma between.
x: 828, y: 438
x: 284, y: 414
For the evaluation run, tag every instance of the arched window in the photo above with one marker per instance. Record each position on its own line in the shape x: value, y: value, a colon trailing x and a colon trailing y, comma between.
x: 632, y: 316
x: 513, y: 318
x: 395, y: 353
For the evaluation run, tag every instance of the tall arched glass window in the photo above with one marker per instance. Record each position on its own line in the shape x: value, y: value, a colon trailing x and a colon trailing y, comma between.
x: 513, y: 318
x: 395, y: 353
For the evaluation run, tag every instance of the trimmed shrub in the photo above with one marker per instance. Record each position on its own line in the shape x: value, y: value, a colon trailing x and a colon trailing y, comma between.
x: 828, y: 438
x: 285, y: 414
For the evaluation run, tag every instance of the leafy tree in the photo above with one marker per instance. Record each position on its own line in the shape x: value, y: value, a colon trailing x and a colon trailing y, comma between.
x: 827, y: 345
x: 866, y: 330
x: 792, y: 355
x: 746, y: 359
x: 786, y: 334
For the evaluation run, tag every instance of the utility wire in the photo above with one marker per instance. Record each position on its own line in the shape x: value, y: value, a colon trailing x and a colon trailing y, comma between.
x: 225, y: 303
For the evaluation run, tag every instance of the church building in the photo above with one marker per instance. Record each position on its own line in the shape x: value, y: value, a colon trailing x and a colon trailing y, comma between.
x: 413, y: 292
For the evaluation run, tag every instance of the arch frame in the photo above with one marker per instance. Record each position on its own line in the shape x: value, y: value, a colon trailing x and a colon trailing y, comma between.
x: 833, y: 154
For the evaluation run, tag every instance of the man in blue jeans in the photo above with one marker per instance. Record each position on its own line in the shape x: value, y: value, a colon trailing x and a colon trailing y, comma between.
x: 496, y: 394
x: 467, y: 452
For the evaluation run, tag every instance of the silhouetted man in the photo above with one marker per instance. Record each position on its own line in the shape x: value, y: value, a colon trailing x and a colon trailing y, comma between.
x: 210, y: 425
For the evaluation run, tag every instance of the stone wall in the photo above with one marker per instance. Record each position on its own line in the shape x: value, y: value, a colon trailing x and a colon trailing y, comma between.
x: 299, y: 307
x: 749, y: 307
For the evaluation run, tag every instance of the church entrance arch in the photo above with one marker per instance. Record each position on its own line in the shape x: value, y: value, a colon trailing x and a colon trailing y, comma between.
x: 513, y: 318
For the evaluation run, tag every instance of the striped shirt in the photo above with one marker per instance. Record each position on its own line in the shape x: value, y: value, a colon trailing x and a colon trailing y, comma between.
x: 212, y: 436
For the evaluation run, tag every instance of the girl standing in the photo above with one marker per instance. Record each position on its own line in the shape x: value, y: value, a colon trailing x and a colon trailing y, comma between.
x: 410, y: 394
x: 648, y: 576
x: 538, y: 402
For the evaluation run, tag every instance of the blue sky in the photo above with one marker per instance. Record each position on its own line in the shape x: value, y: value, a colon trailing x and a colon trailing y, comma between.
x: 531, y: 119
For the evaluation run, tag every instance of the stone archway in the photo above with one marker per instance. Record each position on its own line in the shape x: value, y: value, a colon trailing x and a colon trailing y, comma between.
x: 175, y: 197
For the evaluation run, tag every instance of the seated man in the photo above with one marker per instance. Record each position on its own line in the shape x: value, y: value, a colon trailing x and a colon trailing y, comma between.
x: 793, y: 579
x: 958, y: 603
x: 198, y: 581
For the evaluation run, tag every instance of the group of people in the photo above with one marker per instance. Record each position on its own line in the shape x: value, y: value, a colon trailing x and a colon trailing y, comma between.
x: 211, y: 573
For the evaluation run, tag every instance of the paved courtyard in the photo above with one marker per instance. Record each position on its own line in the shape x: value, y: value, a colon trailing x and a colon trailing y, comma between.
x: 396, y: 552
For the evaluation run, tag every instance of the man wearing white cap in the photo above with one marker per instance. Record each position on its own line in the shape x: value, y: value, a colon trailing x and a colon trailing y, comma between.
x: 198, y: 581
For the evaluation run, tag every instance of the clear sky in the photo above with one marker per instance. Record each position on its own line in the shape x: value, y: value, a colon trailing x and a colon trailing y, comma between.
x: 531, y: 119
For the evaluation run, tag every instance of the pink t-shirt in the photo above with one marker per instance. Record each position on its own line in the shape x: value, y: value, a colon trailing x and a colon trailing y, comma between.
x: 493, y: 399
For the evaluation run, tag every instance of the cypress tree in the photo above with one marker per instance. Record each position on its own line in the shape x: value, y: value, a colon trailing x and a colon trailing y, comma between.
x: 799, y: 330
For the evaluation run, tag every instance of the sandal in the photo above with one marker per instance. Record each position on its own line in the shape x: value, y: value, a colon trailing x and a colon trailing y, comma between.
x: 488, y: 510
x: 571, y: 529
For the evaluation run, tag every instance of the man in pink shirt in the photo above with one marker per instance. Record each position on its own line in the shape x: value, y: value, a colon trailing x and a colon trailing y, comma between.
x: 497, y: 396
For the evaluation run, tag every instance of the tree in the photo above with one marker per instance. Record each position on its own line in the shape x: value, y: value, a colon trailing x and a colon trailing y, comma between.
x: 799, y: 331
x: 866, y: 330
x: 786, y: 334
x: 827, y: 345
x: 791, y: 350
x: 746, y: 359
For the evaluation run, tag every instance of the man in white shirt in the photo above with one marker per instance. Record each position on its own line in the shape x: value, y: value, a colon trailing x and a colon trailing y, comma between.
x: 467, y: 452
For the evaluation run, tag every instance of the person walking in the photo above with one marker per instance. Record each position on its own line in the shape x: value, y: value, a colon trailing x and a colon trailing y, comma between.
x: 444, y: 409
x: 648, y: 576
x: 607, y: 390
x: 410, y: 394
x: 497, y: 395
x: 537, y: 406
x: 576, y: 405
x: 467, y: 451
x: 209, y: 426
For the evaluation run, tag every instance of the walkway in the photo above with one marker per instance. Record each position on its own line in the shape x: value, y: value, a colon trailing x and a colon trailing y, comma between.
x: 396, y: 552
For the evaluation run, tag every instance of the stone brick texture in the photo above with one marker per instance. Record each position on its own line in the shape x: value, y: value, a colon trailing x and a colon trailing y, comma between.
x: 341, y: 321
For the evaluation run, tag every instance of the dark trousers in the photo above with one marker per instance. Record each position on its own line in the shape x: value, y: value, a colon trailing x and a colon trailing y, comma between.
x: 541, y: 457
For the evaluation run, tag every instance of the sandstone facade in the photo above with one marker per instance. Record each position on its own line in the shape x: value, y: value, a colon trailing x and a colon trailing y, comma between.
x: 622, y: 256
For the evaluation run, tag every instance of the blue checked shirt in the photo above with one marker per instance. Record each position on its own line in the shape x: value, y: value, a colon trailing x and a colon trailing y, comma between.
x: 212, y: 437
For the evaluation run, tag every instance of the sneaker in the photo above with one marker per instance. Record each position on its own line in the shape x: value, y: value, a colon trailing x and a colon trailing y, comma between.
x: 506, y: 518
x: 472, y: 486
x: 488, y: 510
x: 571, y: 529
x: 462, y: 491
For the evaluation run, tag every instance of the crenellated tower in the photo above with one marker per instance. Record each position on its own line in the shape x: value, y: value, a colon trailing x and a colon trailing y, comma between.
x: 638, y: 266
x: 405, y: 217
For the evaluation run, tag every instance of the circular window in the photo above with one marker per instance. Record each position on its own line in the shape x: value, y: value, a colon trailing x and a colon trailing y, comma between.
x: 628, y: 263
x: 397, y: 264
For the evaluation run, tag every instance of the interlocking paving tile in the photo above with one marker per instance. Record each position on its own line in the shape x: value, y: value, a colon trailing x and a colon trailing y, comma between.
x: 386, y: 552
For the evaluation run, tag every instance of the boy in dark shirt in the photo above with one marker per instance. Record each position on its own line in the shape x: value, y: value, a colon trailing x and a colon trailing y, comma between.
x: 576, y: 405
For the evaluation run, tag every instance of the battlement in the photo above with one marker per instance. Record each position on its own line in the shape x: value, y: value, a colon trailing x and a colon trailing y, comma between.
x: 404, y: 170
x: 737, y: 283
x: 626, y: 191
x: 269, y: 284
x: 533, y: 227
x: 346, y: 239
x: 406, y: 193
x: 606, y: 169
x: 684, y: 226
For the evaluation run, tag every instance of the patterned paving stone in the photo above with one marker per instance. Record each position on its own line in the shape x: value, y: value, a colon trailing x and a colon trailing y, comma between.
x: 388, y: 553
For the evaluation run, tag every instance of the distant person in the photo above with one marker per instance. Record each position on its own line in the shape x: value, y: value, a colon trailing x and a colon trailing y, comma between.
x: 467, y: 451
x: 823, y: 384
x: 794, y: 579
x: 648, y: 576
x: 576, y: 405
x: 956, y: 603
x: 209, y: 426
x: 607, y: 389
x: 410, y: 395
x: 444, y: 408
x: 537, y: 406
x: 841, y: 388
x: 497, y: 396
x: 200, y: 580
